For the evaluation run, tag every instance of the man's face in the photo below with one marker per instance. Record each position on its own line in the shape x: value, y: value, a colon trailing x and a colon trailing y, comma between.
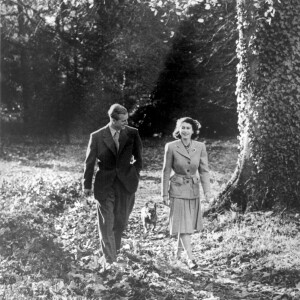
x: 120, y: 124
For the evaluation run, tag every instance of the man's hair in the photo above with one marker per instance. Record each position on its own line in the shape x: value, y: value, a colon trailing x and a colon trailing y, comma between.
x: 115, y: 110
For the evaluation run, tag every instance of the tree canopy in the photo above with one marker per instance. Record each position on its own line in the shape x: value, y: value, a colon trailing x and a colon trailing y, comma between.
x: 65, y: 62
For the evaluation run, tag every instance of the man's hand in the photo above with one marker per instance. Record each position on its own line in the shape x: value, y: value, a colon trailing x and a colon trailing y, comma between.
x: 87, y: 202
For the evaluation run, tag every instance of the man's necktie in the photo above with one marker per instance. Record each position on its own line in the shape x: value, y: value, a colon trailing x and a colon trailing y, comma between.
x: 116, y: 139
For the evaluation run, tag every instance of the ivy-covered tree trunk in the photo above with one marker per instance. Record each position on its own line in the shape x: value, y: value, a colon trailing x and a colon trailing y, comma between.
x: 268, y: 95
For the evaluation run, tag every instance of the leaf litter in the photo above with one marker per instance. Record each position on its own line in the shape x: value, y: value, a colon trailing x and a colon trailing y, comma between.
x: 49, y: 243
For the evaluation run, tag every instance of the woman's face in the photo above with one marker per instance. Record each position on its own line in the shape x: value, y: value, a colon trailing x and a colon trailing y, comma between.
x: 186, y: 130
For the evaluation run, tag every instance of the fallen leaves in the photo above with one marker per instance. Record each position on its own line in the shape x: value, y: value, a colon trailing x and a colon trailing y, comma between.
x: 49, y: 244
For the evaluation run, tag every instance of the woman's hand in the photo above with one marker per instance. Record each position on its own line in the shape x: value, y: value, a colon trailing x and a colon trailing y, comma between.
x: 209, y: 199
x: 166, y: 200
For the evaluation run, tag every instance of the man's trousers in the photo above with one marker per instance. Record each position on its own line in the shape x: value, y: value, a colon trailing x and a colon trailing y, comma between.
x: 113, y: 212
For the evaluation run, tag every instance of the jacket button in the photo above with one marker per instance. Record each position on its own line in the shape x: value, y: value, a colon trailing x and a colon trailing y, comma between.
x: 187, y: 170
x: 189, y: 162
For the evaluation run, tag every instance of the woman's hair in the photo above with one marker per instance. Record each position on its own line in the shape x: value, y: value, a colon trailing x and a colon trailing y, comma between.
x: 195, y: 125
x: 116, y: 110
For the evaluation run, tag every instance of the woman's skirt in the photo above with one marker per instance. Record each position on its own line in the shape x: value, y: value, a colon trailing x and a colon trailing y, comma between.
x: 185, y: 216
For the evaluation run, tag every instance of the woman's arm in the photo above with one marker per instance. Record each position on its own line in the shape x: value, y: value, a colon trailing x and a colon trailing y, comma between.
x: 204, y: 172
x: 166, y: 171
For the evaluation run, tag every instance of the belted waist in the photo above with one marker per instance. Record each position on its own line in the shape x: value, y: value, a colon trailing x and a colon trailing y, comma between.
x: 184, y: 186
x: 185, y: 176
x: 181, y: 179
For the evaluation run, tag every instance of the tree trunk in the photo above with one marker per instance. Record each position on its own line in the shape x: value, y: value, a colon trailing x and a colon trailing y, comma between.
x: 268, y: 95
x: 25, y: 66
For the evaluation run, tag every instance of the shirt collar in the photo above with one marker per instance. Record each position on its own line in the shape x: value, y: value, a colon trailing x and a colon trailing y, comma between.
x: 113, y: 131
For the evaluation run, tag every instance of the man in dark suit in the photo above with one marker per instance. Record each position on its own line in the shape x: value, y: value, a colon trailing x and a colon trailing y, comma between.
x: 118, y: 151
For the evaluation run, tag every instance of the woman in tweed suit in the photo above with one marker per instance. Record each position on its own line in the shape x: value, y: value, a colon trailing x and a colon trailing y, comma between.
x: 185, y: 167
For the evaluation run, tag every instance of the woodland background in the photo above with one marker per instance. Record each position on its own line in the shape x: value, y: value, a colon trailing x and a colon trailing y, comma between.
x: 63, y: 63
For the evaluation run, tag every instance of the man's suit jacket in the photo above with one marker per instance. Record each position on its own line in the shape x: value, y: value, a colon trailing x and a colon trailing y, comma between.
x: 189, y: 170
x: 125, y: 164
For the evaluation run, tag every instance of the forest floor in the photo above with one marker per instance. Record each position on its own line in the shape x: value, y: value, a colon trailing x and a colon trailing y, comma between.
x: 49, y: 246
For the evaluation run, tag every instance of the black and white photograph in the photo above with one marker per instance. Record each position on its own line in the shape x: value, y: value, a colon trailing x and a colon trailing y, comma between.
x: 150, y: 150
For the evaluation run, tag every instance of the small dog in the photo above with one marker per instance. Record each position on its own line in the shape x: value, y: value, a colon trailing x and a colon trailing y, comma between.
x: 149, y: 216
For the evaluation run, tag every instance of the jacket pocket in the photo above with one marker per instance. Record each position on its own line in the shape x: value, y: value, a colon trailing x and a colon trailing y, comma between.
x: 175, y: 180
x: 177, y: 186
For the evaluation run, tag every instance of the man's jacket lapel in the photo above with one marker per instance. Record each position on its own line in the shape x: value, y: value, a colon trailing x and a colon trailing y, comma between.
x: 108, y: 140
x: 122, y: 139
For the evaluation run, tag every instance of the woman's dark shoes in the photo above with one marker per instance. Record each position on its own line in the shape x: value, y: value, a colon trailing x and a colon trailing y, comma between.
x: 192, y: 264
